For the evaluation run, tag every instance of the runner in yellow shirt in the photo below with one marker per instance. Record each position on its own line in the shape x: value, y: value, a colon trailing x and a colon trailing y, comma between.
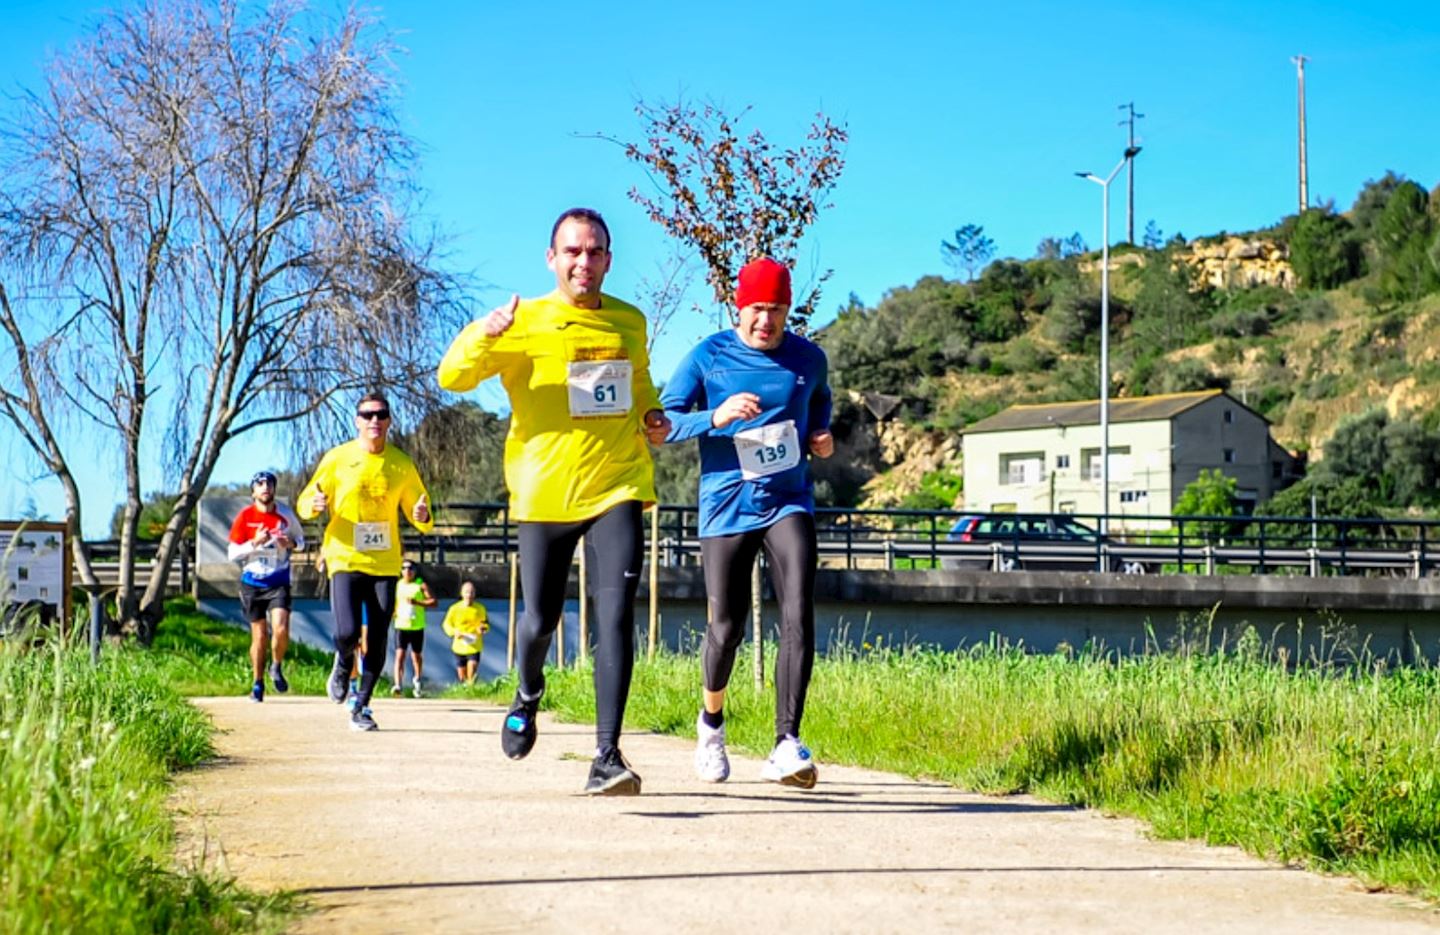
x: 575, y: 367
x: 364, y: 485
x: 412, y: 596
x: 466, y: 622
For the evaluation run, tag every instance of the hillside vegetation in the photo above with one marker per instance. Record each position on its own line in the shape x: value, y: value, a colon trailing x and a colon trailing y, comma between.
x: 1325, y: 324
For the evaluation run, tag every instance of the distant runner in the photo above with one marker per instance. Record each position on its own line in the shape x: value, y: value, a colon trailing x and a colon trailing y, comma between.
x: 364, y: 484
x: 466, y: 623
x: 412, y: 596
x: 261, y: 538
x: 575, y: 367
x: 758, y: 399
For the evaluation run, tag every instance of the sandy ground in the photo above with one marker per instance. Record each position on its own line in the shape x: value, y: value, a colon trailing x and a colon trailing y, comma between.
x: 424, y: 826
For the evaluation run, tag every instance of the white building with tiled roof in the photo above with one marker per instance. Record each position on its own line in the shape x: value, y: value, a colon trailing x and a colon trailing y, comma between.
x: 1045, y: 458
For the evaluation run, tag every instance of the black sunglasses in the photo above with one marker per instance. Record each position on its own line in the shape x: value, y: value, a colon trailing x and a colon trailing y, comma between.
x: 369, y: 414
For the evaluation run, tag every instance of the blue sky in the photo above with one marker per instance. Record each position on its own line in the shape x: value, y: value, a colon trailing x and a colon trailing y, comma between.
x: 957, y: 112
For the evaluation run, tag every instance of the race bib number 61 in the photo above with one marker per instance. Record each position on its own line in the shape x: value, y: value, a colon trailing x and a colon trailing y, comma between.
x: 767, y: 449
x: 599, y: 388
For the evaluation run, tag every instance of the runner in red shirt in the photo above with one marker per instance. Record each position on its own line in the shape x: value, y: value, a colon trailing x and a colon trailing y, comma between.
x: 261, y: 539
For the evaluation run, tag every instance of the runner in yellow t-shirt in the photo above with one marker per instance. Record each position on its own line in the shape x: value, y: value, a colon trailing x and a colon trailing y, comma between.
x: 575, y: 367
x: 467, y: 623
x: 412, y: 596
x: 364, y: 485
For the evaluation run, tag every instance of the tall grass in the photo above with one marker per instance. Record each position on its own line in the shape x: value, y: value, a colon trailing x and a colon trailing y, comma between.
x: 1331, y: 765
x: 86, y: 843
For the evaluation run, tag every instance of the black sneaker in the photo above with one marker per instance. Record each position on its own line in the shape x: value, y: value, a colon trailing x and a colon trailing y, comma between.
x: 339, y: 682
x: 611, y: 775
x: 517, y: 734
x: 257, y: 691
x: 278, y: 678
x: 363, y: 720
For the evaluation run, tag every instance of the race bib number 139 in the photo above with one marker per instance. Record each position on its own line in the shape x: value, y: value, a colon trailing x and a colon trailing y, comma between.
x: 599, y: 388
x: 767, y: 449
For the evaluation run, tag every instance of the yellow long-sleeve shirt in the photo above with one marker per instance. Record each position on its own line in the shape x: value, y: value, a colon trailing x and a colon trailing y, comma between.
x: 467, y: 625
x: 579, y: 387
x: 366, y: 494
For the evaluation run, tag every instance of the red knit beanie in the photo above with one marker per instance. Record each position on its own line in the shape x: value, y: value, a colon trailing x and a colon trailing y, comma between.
x: 763, y: 280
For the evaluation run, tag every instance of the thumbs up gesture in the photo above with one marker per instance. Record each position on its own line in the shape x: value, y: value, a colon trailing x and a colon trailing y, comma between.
x: 500, y: 319
x: 421, y: 511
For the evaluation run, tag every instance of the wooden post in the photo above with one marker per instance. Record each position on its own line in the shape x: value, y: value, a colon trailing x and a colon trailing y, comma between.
x: 510, y: 635
x: 583, y: 649
x: 654, y: 580
x: 758, y: 632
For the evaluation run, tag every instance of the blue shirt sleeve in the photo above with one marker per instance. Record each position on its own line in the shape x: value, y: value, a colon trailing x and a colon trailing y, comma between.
x: 685, y: 391
x: 820, y: 400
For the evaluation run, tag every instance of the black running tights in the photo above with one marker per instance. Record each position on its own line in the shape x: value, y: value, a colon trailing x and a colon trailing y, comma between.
x: 790, y: 547
x: 613, y: 549
x: 357, y: 598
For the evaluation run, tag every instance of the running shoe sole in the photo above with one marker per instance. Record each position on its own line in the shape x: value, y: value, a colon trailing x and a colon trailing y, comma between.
x: 803, y: 778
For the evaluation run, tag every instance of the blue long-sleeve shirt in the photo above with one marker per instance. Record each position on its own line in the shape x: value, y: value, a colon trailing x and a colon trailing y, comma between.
x: 752, y: 472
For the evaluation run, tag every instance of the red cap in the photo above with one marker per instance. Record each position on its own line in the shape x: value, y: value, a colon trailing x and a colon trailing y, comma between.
x: 763, y: 280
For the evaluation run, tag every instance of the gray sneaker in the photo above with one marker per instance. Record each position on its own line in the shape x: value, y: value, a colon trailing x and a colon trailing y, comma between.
x: 363, y: 720
x: 338, y: 685
x: 278, y: 678
x: 611, y: 775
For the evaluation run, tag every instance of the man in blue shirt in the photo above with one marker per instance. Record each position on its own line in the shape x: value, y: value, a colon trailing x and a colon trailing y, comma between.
x: 758, y: 400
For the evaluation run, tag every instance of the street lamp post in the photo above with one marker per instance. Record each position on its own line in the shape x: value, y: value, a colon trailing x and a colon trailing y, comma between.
x: 1104, y: 184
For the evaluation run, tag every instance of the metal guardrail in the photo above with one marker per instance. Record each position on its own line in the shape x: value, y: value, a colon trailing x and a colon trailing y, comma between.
x: 896, y: 539
x: 483, y: 533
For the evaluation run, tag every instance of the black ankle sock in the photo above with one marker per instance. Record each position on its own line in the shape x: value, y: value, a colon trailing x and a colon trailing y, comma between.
x: 713, y: 721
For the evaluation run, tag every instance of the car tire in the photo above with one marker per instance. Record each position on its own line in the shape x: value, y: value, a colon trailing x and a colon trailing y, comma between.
x: 1131, y: 566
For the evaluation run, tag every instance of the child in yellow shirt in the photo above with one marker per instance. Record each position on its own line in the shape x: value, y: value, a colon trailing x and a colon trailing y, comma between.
x: 466, y: 622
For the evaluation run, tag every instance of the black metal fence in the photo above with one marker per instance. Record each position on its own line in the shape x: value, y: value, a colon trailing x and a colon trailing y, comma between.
x: 482, y: 533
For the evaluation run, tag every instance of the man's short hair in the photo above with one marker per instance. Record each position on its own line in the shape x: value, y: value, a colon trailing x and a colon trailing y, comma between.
x: 374, y: 396
x: 589, y: 215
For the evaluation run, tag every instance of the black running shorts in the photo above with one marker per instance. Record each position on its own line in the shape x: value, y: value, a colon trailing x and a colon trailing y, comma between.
x: 413, y: 640
x: 258, y: 602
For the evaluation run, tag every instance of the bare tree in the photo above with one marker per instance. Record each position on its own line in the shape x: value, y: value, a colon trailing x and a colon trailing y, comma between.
x: 205, y: 223
x: 731, y: 198
x: 662, y: 296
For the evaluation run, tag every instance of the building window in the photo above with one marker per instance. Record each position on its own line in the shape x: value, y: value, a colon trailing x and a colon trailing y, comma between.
x: 1229, y: 416
x: 1120, y: 469
x: 1062, y: 462
x: 1134, y: 496
x: 1229, y: 455
x: 1022, y: 468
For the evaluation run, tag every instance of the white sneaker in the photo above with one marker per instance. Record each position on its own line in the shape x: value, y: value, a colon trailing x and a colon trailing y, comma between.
x: 711, y: 763
x: 790, y: 764
x: 417, y: 692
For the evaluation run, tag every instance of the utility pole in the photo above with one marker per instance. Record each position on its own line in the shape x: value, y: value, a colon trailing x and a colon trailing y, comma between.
x: 1130, y: 172
x: 1300, y: 61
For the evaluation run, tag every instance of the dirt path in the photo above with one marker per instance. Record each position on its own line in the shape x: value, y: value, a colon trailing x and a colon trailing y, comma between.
x: 425, y: 827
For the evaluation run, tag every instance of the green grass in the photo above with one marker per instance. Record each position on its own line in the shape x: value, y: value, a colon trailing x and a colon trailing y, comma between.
x: 86, y: 842
x: 199, y: 655
x: 1336, y: 768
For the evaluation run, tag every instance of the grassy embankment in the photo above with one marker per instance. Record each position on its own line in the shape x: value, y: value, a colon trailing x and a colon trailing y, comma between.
x: 86, y: 841
x: 1333, y: 767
